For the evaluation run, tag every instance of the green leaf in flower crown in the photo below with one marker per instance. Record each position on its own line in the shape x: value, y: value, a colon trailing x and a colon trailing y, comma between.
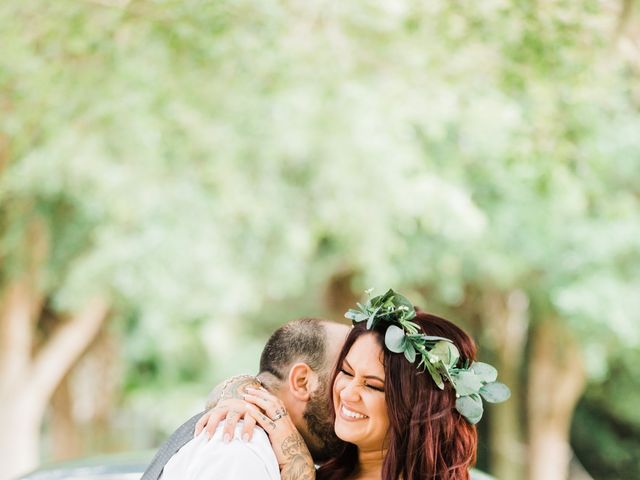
x: 433, y: 371
x: 447, y: 352
x: 485, y: 371
x: 431, y: 338
x: 378, y: 301
x: 356, y: 315
x: 387, y: 303
x: 372, y: 318
x: 495, y: 392
x: 388, y: 295
x: 401, y: 300
x: 467, y: 383
x: 409, y: 352
x: 445, y: 372
x: 394, y: 339
x: 470, y: 407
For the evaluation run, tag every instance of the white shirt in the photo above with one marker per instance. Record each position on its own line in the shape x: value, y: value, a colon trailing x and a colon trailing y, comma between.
x: 203, y: 459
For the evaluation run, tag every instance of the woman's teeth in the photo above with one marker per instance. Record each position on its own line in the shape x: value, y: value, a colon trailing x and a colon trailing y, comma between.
x: 351, y: 414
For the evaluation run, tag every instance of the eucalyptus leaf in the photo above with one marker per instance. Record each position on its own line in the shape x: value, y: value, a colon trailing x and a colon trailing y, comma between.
x: 388, y: 295
x: 402, y: 300
x: 470, y: 407
x: 372, y: 319
x: 394, y: 339
x: 446, y: 352
x: 409, y: 352
x: 467, y: 383
x: 445, y: 372
x: 431, y: 338
x: 495, y: 392
x: 356, y: 315
x: 486, y: 372
x: 437, y: 378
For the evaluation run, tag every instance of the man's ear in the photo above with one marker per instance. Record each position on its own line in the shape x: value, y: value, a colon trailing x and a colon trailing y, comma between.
x: 302, y: 381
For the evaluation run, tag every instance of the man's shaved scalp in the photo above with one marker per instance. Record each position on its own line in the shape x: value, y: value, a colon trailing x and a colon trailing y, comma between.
x: 302, y: 340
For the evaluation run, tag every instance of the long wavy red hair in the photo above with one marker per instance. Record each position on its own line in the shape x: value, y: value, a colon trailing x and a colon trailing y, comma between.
x: 428, y: 438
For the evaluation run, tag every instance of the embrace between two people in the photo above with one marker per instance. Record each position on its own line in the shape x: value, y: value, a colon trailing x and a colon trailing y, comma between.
x: 396, y: 396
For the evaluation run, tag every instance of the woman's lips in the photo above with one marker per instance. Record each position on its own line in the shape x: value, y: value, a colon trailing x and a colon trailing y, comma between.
x: 351, y: 415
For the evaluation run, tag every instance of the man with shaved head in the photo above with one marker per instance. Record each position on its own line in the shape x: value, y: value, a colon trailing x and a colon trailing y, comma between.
x: 295, y: 366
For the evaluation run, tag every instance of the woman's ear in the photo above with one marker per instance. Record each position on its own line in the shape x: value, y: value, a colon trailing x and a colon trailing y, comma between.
x: 302, y: 381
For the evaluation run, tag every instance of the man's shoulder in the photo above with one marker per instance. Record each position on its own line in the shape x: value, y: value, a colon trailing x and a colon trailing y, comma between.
x: 182, y: 435
x: 202, y: 456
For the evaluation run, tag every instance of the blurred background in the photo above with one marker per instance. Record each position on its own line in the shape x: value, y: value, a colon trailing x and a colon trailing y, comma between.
x: 178, y: 178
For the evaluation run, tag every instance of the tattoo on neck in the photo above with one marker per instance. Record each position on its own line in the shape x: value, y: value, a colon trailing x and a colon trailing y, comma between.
x: 236, y: 389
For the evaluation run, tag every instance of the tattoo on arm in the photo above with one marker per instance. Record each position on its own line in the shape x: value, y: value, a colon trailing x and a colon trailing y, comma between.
x: 292, y: 445
x: 213, y: 397
x: 298, y: 464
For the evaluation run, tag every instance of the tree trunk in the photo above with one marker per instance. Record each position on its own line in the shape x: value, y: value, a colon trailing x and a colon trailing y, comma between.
x: 506, y: 321
x: 338, y: 295
x: 20, y: 418
x: 624, y: 17
x: 556, y: 381
x: 28, y: 380
x: 66, y: 441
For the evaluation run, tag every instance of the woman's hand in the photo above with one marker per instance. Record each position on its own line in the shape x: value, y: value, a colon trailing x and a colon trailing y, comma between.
x: 292, y: 453
x: 231, y: 410
x: 225, y: 402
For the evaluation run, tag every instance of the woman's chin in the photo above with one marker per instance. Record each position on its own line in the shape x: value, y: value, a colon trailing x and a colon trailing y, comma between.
x: 349, y: 432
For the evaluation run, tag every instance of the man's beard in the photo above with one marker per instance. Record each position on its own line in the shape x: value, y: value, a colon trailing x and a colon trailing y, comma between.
x: 319, y: 419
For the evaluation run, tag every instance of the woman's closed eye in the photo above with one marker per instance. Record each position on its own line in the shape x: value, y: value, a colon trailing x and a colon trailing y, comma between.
x: 377, y: 389
x: 372, y: 387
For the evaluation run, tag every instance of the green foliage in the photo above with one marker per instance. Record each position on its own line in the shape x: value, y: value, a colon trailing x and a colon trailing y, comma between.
x: 204, y: 162
x: 438, y: 355
x: 606, y: 426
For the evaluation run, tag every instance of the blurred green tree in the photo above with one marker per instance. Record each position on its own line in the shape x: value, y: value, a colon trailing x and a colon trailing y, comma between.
x: 185, y: 163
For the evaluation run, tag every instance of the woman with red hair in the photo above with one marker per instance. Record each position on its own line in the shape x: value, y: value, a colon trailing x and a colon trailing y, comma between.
x: 397, y: 422
x: 407, y: 393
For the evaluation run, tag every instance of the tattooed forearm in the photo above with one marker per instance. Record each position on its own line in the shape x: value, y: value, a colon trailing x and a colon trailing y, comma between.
x: 293, y: 445
x: 297, y: 464
x: 298, y: 469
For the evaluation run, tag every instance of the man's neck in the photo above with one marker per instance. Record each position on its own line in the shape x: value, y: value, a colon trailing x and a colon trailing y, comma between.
x: 270, y: 382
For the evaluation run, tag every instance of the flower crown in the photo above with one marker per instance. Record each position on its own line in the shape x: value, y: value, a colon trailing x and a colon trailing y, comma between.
x: 438, y: 355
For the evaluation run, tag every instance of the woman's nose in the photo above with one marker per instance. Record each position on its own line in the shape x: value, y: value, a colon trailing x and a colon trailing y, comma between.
x: 350, y: 392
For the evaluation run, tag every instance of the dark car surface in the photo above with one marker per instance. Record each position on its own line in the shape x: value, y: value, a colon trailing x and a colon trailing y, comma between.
x: 121, y: 467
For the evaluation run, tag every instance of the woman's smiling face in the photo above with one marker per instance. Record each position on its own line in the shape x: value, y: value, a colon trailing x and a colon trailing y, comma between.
x: 358, y: 396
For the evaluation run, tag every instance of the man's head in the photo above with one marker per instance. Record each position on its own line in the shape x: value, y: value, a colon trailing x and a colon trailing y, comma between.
x: 296, y: 364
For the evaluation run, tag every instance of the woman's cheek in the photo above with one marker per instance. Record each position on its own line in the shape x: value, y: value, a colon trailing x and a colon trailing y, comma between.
x: 338, y: 386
